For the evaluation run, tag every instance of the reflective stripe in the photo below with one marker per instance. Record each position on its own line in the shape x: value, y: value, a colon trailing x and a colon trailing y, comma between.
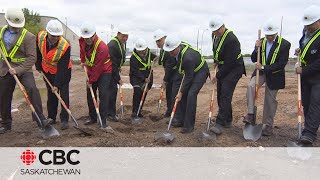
x: 216, y: 53
x: 161, y: 60
x: 182, y: 54
x: 306, y: 48
x: 15, y: 48
x: 121, y: 50
x: 146, y: 65
x: 93, y: 55
x: 275, y: 53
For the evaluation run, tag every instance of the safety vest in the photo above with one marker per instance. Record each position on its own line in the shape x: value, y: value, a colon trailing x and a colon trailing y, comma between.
x: 306, y: 48
x: 51, y: 58
x: 187, y: 46
x: 146, y: 65
x: 216, y: 53
x: 90, y: 62
x: 121, y: 50
x: 275, y: 53
x: 15, y: 48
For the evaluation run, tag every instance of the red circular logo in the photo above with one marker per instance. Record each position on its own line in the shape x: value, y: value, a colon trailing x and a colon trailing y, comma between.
x: 28, y: 157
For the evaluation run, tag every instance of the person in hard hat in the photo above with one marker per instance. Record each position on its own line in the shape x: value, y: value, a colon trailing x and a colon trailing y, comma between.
x: 94, y: 55
x: 140, y: 67
x: 171, y: 72
x: 19, y: 46
x: 309, y: 50
x: 53, y: 60
x: 274, y: 57
x: 192, y: 65
x: 227, y: 56
x: 117, y: 50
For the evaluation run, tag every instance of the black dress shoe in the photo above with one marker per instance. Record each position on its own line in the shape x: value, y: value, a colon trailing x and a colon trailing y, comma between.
x: 4, y: 130
x: 176, y: 124
x: 186, y: 130
x: 88, y: 122
x: 64, y: 125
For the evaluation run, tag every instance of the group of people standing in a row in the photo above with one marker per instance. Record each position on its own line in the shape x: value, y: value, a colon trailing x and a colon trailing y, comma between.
x: 186, y: 71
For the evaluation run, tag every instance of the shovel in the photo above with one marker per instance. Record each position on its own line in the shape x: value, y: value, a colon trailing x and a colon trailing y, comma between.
x: 94, y: 99
x: 167, y: 136
x: 76, y: 125
x: 137, y: 120
x: 121, y: 101
x: 207, y: 135
x: 160, y: 100
x: 290, y: 143
x: 252, y: 131
x: 45, y: 132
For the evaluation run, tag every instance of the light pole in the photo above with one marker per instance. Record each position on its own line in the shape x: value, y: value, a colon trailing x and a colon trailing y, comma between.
x: 65, y: 33
x: 202, y: 38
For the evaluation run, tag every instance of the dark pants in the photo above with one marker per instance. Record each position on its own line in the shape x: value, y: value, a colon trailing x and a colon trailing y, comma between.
x: 176, y: 81
x: 52, y: 102
x: 311, y: 108
x: 225, y: 89
x: 169, y: 96
x: 102, y: 86
x: 7, y: 84
x: 112, y: 97
x: 187, y: 107
x: 137, y: 94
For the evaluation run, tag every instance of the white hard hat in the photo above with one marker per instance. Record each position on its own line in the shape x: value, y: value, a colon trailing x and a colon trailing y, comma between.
x: 216, y: 22
x: 15, y: 17
x: 311, y: 15
x: 123, y: 29
x: 158, y: 34
x: 141, y: 44
x: 171, y: 43
x: 270, y: 27
x: 87, y: 30
x: 54, y: 27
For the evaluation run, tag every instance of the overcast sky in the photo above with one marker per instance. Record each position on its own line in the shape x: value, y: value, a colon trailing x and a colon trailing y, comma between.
x: 182, y: 17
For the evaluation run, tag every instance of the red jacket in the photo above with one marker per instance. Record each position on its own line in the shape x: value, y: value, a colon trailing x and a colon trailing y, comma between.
x: 102, y: 56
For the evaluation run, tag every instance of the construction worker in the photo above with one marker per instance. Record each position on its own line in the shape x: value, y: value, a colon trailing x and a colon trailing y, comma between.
x: 53, y: 60
x: 170, y: 69
x: 117, y: 50
x: 194, y: 68
x: 227, y: 56
x: 140, y: 66
x: 274, y: 55
x: 94, y: 55
x: 309, y: 50
x: 19, y: 46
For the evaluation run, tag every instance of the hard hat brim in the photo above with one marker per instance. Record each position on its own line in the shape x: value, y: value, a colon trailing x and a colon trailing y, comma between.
x: 306, y: 23
x: 54, y: 33
x: 16, y: 25
x: 124, y: 32
x: 215, y: 28
x: 141, y: 48
x: 269, y: 33
x: 88, y: 35
x: 171, y: 48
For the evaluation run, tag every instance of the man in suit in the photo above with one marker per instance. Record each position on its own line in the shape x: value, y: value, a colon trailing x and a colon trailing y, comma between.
x: 274, y: 56
x: 19, y: 46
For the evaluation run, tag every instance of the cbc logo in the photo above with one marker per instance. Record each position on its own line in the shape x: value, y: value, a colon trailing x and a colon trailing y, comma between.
x: 47, y: 157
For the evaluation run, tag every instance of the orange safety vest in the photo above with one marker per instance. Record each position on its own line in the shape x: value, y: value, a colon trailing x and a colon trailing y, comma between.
x: 50, y: 60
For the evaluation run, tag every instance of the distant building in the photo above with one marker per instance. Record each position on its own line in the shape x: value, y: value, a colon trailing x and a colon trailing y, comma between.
x: 71, y: 36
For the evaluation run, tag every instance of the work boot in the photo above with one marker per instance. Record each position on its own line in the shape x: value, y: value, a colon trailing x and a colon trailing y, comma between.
x: 53, y: 121
x: 176, y: 123
x: 113, y: 118
x: 90, y: 121
x: 107, y: 129
x: 64, y: 125
x: 186, y: 130
x: 4, y: 130
x: 217, y: 129
x: 266, y: 130
x: 305, y: 141
x: 249, y: 119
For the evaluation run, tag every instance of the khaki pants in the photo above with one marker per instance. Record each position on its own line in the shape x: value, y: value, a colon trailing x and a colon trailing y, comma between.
x: 270, y: 102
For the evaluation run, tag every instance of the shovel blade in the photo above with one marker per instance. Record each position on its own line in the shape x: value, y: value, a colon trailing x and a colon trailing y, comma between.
x: 252, y: 132
x: 207, y: 136
x: 136, y: 120
x: 164, y: 136
x: 49, y: 131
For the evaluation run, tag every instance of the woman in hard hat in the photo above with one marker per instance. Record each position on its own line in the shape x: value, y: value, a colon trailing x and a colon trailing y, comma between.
x: 140, y: 66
